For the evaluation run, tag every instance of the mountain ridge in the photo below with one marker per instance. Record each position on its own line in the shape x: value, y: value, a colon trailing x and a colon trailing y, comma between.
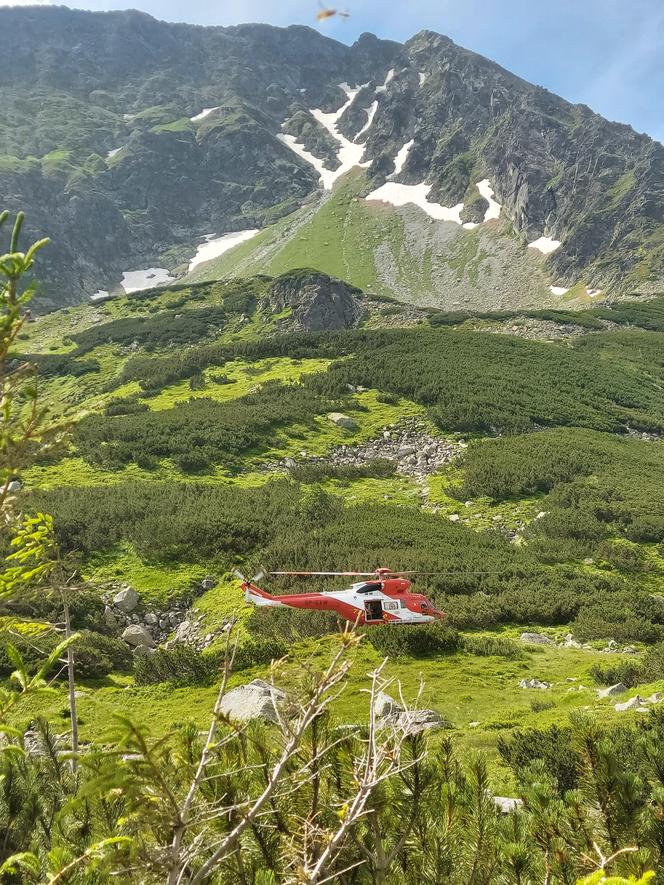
x: 144, y: 136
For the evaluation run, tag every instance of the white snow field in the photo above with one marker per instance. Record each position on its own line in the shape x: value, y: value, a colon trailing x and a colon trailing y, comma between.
x: 136, y: 280
x: 402, y: 194
x: 327, y: 176
x: 388, y: 78
x: 401, y: 157
x: 545, y: 245
x: 371, y: 113
x: 423, y: 78
x: 204, y: 113
x: 114, y: 152
x: 348, y: 153
x: 593, y: 293
x: 213, y: 246
x: 485, y: 189
x: 558, y: 290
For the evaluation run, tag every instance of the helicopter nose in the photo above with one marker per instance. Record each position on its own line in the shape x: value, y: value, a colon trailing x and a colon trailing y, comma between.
x: 438, y: 614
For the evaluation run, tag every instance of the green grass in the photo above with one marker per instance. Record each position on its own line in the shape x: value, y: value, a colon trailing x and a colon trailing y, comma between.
x: 480, y: 513
x: 342, y: 235
x: 462, y: 687
x: 246, y: 377
x: 181, y: 125
x: 156, y: 583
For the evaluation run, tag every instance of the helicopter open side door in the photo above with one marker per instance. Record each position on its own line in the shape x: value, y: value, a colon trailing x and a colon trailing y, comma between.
x: 373, y: 610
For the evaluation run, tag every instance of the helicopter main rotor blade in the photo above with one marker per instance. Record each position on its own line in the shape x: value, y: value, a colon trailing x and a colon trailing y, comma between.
x: 331, y: 574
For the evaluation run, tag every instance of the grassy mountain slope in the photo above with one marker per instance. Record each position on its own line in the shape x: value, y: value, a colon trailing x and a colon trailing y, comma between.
x: 394, y: 252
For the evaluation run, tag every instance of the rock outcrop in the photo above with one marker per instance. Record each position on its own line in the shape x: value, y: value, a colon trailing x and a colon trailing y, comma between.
x: 317, y: 301
x: 536, y: 639
x: 612, y: 690
x: 391, y: 714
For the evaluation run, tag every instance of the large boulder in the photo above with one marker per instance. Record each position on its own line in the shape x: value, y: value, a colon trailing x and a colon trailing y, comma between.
x: 109, y: 618
x: 536, y: 639
x: 341, y: 420
x: 136, y: 635
x: 631, y: 704
x: 256, y: 700
x: 384, y: 706
x: 391, y: 714
x: 126, y: 600
x: 506, y: 805
x: 318, y: 302
x: 612, y: 690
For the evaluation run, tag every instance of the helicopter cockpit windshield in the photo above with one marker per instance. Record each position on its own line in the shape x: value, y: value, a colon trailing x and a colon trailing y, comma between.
x: 370, y: 587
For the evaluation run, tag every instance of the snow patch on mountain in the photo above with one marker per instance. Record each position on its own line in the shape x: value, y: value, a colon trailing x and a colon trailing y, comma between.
x: 545, y: 245
x: 136, y: 280
x: 388, y: 80
x: 114, y: 152
x: 558, y: 290
x: 213, y: 246
x: 327, y: 176
x: 348, y: 153
x: 423, y: 78
x: 402, y: 194
x: 401, y: 157
x: 204, y: 114
x: 371, y: 113
x: 485, y: 189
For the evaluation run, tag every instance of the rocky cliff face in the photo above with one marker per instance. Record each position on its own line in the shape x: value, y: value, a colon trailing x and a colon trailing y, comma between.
x: 558, y: 170
x: 127, y: 140
x: 317, y: 301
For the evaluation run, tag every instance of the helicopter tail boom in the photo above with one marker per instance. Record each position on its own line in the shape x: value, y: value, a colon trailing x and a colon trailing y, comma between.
x: 254, y: 594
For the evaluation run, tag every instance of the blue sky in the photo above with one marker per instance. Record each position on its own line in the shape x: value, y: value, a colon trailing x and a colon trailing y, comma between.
x: 605, y: 53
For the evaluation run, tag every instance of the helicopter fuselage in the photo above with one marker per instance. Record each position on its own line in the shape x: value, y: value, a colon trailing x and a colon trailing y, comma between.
x: 368, y: 603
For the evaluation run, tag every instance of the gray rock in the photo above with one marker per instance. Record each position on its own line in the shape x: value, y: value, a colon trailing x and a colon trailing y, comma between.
x: 136, y: 635
x: 384, y: 705
x: 417, y: 721
x: 536, y: 639
x: 391, y: 714
x: 631, y: 704
x: 612, y: 690
x: 109, y: 618
x: 341, y: 420
x: 534, y: 683
x: 126, y: 600
x: 317, y: 300
x: 143, y: 650
x: 507, y: 805
x: 209, y: 582
x: 185, y: 632
x: 14, y: 486
x: 151, y: 618
x: 256, y: 700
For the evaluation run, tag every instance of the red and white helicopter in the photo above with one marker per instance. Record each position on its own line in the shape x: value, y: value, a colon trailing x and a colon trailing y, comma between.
x: 385, y: 598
